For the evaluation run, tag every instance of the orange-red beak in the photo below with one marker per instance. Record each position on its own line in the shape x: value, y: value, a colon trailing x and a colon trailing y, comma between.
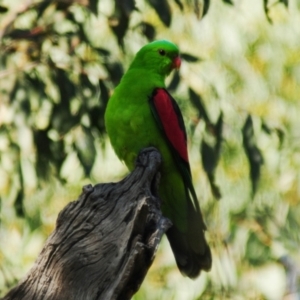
x: 176, y: 62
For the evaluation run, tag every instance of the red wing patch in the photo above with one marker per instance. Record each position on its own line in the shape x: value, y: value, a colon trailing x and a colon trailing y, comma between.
x: 171, y: 120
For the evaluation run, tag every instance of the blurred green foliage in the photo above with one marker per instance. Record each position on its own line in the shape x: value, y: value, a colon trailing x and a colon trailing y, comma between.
x: 239, y: 89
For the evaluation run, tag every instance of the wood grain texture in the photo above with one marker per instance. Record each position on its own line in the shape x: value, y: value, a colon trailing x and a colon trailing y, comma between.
x: 103, y: 243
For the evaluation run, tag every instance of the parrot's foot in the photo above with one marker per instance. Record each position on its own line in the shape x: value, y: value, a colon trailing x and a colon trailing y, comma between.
x: 150, y: 158
x: 140, y: 161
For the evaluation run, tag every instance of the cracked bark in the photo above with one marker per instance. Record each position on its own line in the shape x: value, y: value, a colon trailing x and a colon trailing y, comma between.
x: 103, y: 243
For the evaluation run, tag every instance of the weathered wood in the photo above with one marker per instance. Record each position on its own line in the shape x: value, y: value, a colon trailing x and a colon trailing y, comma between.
x: 103, y: 243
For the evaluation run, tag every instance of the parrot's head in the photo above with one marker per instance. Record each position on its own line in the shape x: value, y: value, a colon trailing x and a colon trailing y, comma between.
x: 159, y: 56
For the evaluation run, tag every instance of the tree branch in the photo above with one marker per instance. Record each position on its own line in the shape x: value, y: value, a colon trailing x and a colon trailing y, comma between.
x: 104, y: 242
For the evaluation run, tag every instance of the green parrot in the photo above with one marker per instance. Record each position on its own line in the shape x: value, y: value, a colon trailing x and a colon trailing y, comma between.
x: 141, y: 113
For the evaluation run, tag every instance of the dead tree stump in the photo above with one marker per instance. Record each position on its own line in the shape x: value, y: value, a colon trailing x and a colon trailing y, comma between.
x: 103, y: 243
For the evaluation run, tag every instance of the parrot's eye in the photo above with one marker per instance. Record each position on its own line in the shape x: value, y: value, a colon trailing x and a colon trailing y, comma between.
x: 162, y: 52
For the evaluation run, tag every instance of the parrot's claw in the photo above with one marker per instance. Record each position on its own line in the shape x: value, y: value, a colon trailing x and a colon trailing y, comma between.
x: 139, y: 162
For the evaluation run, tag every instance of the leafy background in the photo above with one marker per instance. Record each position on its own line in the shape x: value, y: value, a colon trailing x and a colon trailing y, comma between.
x: 238, y: 88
